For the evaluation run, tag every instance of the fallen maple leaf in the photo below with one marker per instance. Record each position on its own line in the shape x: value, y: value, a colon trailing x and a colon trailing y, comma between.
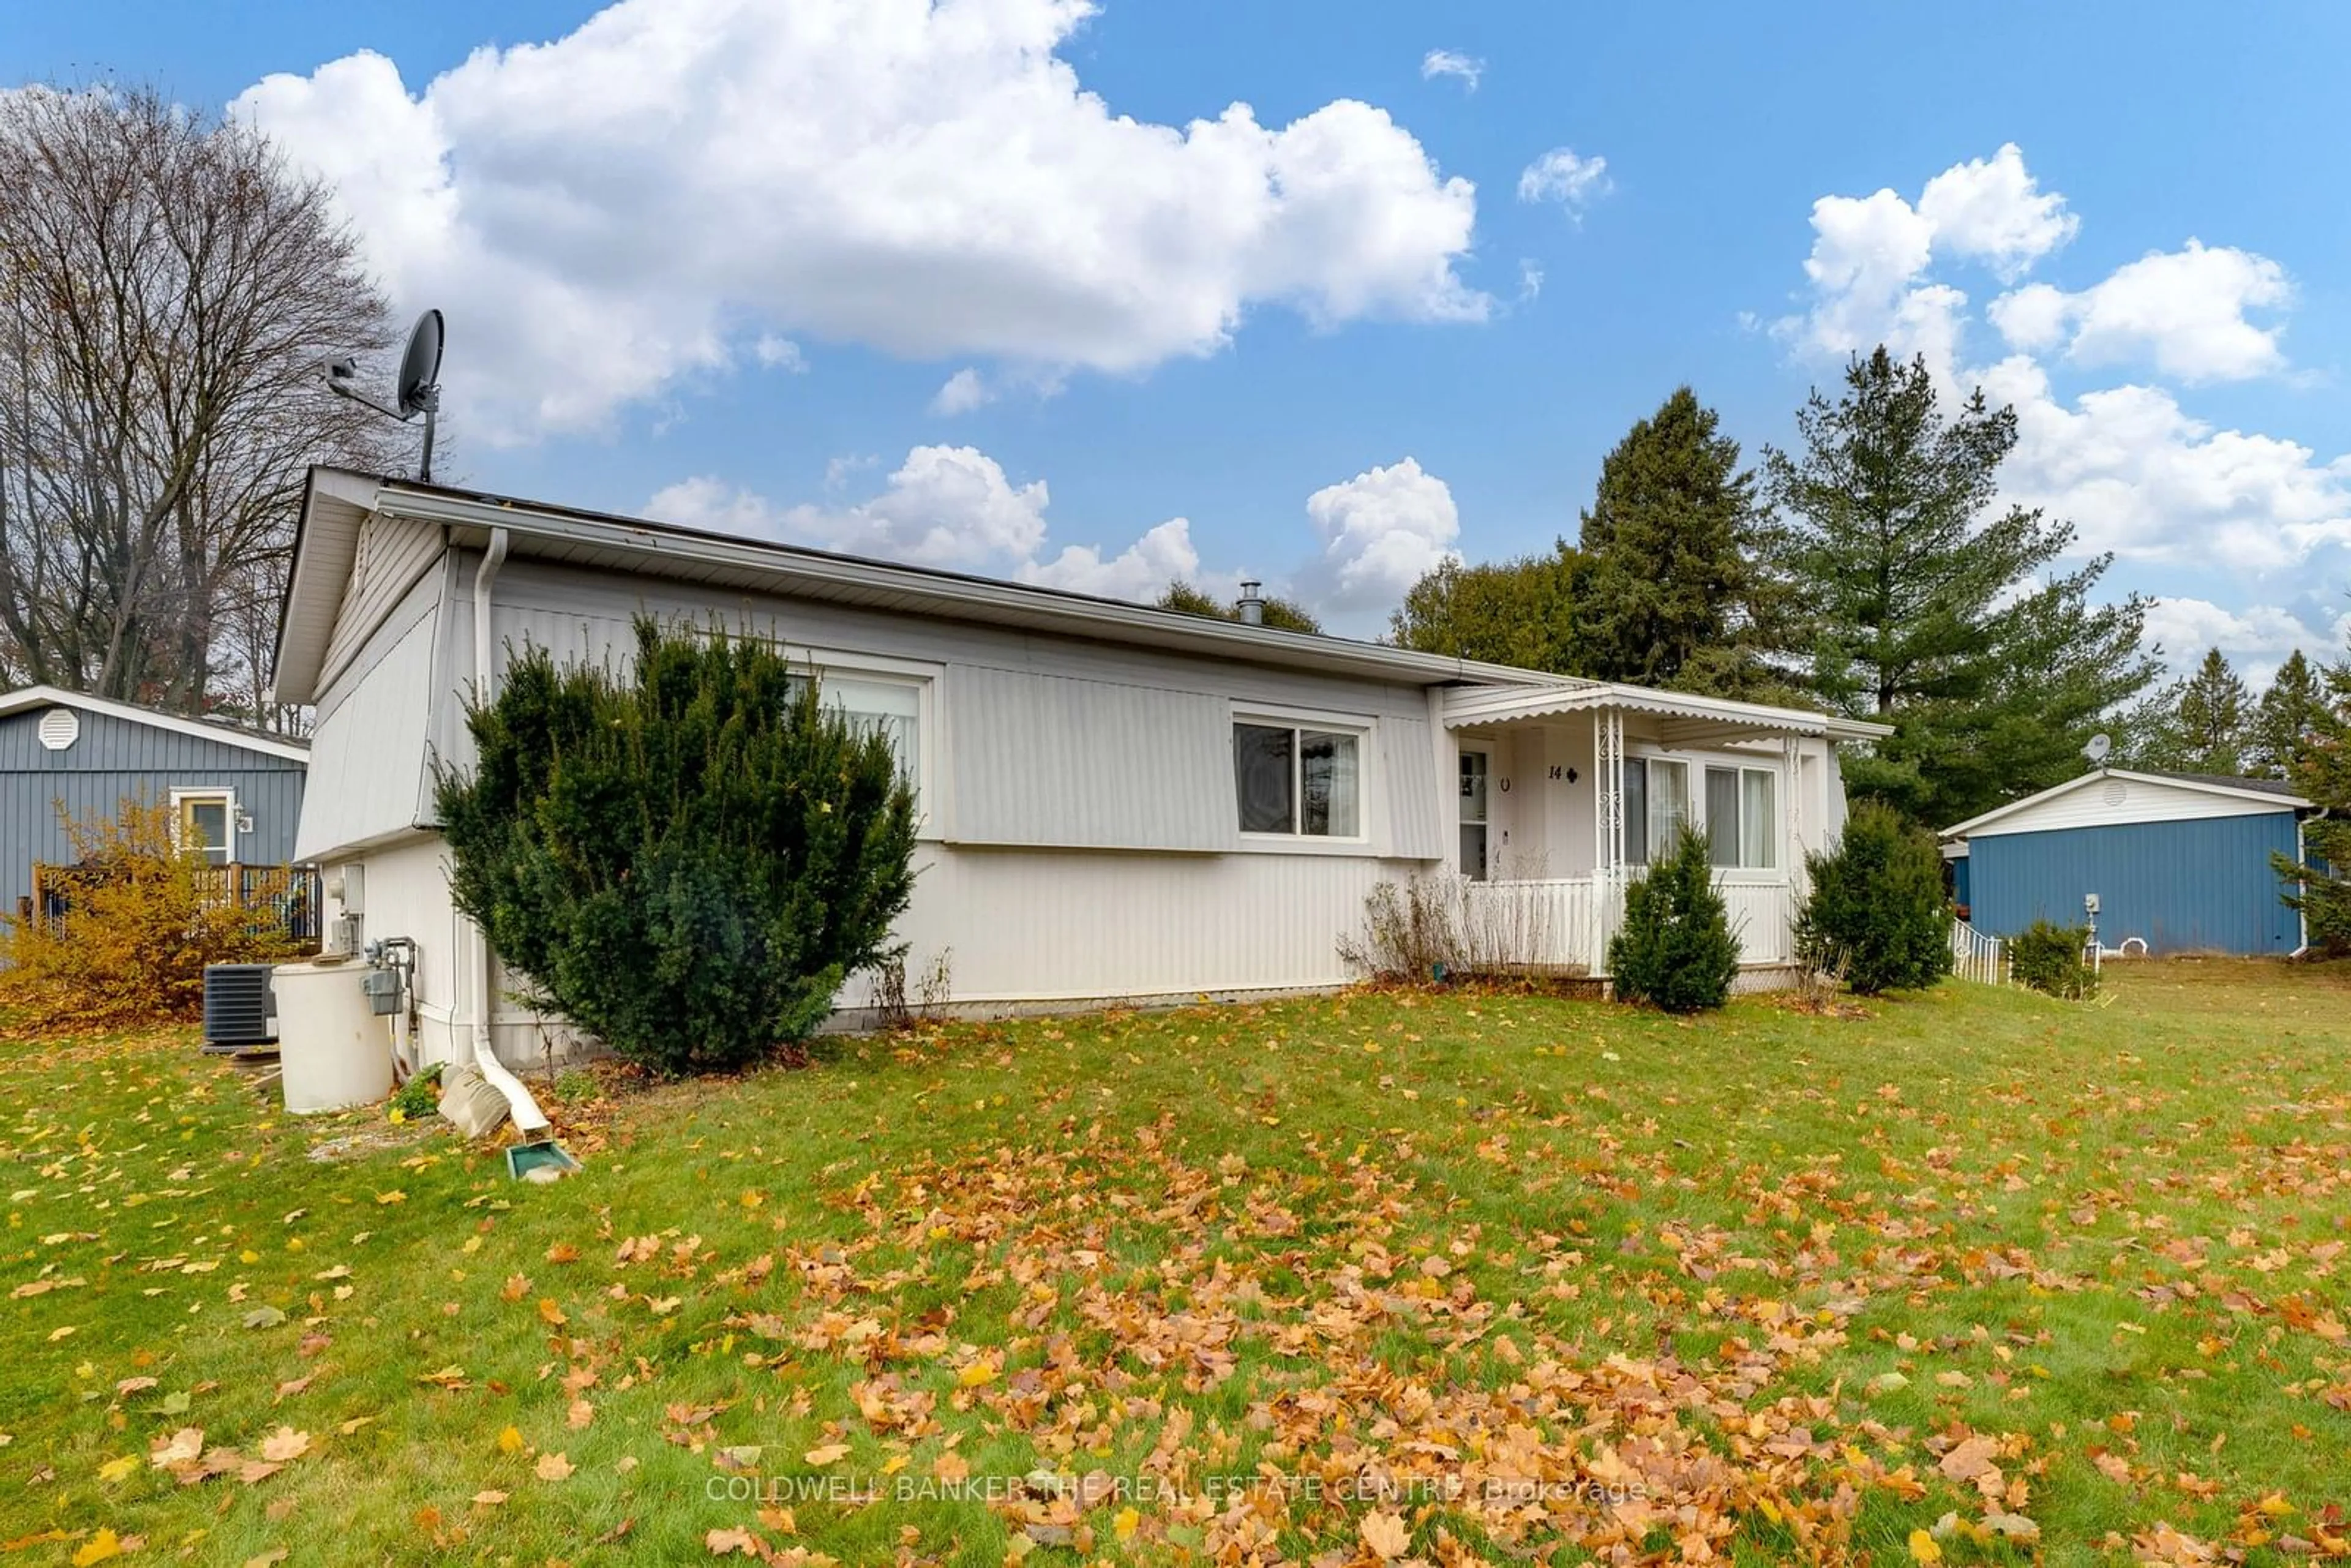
x: 728, y: 1543
x: 285, y: 1444
x: 97, y: 1549
x: 553, y: 1468
x: 1924, y: 1548
x: 178, y: 1449
x: 830, y: 1453
x: 1386, y: 1535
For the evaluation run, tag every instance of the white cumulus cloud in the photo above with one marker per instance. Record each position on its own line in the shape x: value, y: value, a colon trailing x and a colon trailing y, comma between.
x: 2133, y: 469
x: 2184, y: 311
x: 1381, y: 532
x: 947, y: 507
x: 1561, y: 176
x: 637, y: 203
x: 2256, y: 639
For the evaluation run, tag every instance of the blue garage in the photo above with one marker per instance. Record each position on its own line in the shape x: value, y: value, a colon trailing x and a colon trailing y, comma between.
x: 2179, y: 861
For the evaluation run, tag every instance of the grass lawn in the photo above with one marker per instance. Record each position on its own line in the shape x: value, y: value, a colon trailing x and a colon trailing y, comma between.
x: 1979, y: 1277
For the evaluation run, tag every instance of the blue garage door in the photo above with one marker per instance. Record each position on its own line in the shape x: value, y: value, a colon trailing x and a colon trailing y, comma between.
x: 2197, y: 886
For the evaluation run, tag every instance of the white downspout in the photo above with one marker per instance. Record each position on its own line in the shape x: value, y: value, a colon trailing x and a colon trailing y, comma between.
x: 529, y: 1118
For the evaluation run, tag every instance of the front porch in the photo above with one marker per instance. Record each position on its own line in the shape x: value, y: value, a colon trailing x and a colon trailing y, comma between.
x: 1565, y: 794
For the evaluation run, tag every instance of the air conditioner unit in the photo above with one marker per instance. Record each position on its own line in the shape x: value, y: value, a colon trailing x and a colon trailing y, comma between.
x: 240, y: 1013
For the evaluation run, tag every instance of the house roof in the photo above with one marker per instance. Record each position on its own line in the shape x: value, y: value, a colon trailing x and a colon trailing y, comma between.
x: 337, y: 501
x: 2268, y: 792
x: 2278, y: 787
x: 27, y: 698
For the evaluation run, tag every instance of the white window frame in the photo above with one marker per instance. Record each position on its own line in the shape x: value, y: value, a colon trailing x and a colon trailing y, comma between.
x: 1367, y: 733
x: 1694, y: 765
x: 224, y: 794
x: 1690, y: 807
x: 924, y: 677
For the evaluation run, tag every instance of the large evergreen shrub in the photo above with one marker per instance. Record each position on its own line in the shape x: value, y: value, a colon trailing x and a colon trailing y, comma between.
x: 686, y: 862
x: 1877, y: 904
x: 1676, y: 948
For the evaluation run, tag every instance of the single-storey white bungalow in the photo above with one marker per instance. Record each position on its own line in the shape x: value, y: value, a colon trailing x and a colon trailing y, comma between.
x: 1118, y: 803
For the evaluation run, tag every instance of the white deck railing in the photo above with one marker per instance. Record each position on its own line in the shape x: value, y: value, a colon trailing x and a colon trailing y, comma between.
x: 1976, y: 956
x: 1566, y: 922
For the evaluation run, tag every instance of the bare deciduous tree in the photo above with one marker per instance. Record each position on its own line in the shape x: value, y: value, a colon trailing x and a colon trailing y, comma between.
x: 169, y: 292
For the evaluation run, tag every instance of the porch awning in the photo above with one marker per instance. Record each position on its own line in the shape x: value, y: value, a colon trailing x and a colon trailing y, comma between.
x: 1684, y: 720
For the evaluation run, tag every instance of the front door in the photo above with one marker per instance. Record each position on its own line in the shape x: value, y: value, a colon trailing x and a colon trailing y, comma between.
x: 1473, y: 815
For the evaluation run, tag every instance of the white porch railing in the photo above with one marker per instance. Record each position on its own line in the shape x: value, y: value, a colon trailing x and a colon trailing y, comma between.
x: 1976, y: 956
x: 1550, y: 923
x: 1566, y: 922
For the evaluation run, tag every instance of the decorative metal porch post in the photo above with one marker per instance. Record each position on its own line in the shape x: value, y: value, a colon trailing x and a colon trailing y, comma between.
x: 1608, y: 828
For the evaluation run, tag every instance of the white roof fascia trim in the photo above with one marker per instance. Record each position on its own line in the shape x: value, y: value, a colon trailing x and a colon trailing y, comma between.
x: 28, y: 698
x: 1257, y: 643
x: 1483, y: 706
x: 2266, y: 798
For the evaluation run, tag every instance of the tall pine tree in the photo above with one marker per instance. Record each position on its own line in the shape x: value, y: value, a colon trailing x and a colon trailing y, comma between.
x: 1924, y: 605
x: 1672, y: 596
x: 2288, y: 715
x: 2210, y: 722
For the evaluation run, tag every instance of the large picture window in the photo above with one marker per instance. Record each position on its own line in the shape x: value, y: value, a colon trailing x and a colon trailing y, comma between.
x: 1293, y: 780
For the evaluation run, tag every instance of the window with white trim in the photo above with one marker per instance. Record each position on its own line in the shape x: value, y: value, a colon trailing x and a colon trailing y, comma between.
x: 1742, y: 818
x: 891, y: 705
x: 1298, y: 779
x: 205, y: 819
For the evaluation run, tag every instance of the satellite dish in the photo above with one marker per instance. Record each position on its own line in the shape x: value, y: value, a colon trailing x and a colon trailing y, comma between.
x: 419, y: 367
x: 418, y: 391
x: 2099, y: 746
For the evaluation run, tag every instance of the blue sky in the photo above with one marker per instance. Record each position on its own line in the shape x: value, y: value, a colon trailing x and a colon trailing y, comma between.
x: 960, y: 285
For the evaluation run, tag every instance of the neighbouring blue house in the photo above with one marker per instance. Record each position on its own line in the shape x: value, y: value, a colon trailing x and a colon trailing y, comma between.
x: 235, y: 793
x: 2179, y: 861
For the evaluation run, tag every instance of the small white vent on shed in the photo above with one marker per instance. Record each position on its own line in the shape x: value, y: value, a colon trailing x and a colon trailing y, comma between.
x: 2115, y: 792
x: 60, y: 728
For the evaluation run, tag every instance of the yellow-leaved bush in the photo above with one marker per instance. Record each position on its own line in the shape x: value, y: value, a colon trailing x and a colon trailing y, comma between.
x: 140, y: 917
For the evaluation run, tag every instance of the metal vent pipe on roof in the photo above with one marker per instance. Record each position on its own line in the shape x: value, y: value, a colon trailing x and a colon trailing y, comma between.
x: 1252, y: 603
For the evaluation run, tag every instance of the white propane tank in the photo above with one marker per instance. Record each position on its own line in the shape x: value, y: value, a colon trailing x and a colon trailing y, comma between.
x: 333, y: 1051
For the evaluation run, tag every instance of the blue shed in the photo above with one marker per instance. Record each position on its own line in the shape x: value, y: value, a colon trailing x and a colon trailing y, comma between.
x: 2179, y: 861
x: 236, y: 792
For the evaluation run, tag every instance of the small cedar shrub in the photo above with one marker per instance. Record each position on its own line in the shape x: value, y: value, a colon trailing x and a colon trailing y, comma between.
x: 686, y: 860
x: 2049, y: 959
x: 1876, y: 903
x: 140, y: 926
x: 1676, y: 949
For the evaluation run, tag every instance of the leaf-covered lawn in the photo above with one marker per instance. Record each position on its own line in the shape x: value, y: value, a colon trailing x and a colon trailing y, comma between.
x: 1977, y: 1278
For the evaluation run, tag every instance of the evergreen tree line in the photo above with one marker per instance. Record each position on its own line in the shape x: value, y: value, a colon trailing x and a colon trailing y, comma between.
x: 1870, y: 570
